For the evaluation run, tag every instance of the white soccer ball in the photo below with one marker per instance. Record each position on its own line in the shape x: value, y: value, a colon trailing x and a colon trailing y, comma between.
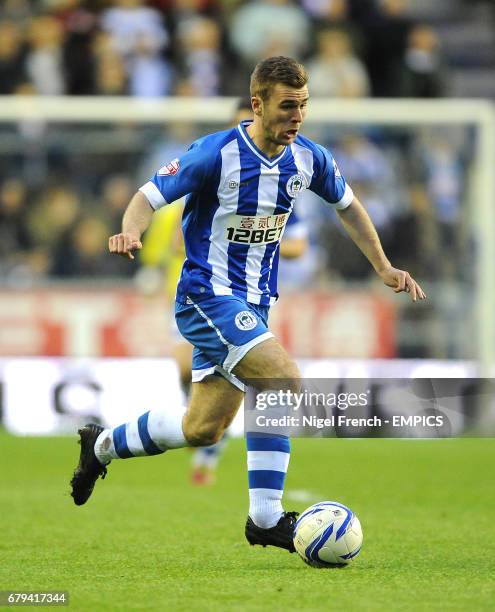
x: 328, y: 534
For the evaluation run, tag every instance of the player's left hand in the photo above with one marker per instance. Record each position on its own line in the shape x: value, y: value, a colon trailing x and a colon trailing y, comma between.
x: 400, y: 280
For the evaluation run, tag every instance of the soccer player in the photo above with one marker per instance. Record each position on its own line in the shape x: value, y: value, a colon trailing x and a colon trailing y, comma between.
x: 241, y: 185
x: 163, y: 248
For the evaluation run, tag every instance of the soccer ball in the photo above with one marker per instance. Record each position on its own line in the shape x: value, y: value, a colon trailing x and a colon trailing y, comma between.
x: 328, y: 534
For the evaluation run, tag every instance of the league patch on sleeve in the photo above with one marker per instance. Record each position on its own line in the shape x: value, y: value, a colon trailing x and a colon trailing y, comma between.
x: 336, y: 169
x: 171, y: 168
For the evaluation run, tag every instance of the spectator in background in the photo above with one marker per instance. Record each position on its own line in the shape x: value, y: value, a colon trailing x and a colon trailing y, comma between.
x: 200, y: 51
x: 15, y: 240
x: 110, y: 71
x: 184, y: 10
x: 437, y: 178
x: 370, y: 172
x: 81, y: 251
x: 137, y: 33
x: 193, y: 7
x: 79, y: 25
x: 150, y: 76
x: 326, y: 12
x: 117, y: 191
x: 269, y: 27
x: 385, y: 36
x: 130, y: 23
x: 20, y: 261
x: 13, y: 214
x: 335, y: 71
x: 421, y: 73
x: 18, y: 11
x: 45, y: 58
x: 53, y: 213
x: 367, y: 165
x: 12, y: 58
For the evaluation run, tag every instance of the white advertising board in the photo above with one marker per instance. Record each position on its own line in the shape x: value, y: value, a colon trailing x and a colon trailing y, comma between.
x: 47, y: 396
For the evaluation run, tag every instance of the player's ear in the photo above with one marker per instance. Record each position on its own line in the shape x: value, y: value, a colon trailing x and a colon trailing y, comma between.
x: 257, y: 105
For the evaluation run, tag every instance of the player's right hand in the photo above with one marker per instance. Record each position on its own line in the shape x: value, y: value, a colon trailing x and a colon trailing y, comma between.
x: 124, y: 244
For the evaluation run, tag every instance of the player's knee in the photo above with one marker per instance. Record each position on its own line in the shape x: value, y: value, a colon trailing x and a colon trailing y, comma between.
x: 204, y: 434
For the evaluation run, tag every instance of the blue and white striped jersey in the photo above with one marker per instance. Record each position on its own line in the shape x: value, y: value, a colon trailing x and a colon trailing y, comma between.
x: 237, y: 206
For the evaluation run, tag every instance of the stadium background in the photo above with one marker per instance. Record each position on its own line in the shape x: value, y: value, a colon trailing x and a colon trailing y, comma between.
x: 84, y: 335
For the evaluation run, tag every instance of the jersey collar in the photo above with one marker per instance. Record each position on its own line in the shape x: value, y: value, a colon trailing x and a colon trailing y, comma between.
x: 270, y: 162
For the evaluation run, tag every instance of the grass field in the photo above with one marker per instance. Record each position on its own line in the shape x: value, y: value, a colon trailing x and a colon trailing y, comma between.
x: 147, y: 540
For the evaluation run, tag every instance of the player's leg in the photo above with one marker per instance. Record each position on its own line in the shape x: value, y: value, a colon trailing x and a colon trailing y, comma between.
x: 213, y: 405
x: 161, y: 429
x: 232, y: 338
x: 268, y: 455
x: 267, y: 362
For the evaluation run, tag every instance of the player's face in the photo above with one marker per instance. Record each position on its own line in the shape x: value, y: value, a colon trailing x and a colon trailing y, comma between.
x: 283, y: 113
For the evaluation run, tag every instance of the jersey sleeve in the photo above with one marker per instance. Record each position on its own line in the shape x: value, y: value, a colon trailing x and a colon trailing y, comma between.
x: 183, y: 175
x: 327, y: 180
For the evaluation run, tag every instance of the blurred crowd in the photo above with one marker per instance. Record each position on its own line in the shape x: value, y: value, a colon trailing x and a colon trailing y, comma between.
x: 59, y: 202
x: 413, y: 183
x: 155, y: 48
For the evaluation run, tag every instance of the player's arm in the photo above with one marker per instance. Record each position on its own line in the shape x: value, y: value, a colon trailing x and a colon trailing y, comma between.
x: 176, y: 179
x: 135, y: 222
x: 360, y: 228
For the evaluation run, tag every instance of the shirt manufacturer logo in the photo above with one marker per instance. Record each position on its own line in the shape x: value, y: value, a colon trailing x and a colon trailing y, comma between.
x: 237, y: 184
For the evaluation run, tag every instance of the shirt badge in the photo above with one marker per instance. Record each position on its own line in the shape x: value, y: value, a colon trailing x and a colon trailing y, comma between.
x: 296, y: 184
x: 171, y: 168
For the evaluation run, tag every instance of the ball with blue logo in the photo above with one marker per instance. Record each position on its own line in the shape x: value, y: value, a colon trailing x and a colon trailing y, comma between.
x: 328, y: 534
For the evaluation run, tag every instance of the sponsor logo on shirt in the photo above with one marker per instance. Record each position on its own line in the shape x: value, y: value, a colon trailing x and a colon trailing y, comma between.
x: 171, y: 168
x: 245, y: 320
x: 296, y: 184
x: 255, y: 230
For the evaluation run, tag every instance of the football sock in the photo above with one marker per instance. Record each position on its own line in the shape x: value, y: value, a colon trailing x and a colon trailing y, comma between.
x: 268, y: 460
x: 152, y: 433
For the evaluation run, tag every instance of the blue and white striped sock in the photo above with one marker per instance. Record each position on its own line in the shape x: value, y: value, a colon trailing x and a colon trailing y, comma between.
x: 152, y: 433
x: 268, y: 459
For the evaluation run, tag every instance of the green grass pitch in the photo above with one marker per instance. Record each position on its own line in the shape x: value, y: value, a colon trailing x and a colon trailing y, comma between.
x: 148, y: 540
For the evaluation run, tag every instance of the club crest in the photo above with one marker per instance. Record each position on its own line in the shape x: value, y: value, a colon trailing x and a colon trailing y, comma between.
x: 296, y: 184
x: 245, y: 320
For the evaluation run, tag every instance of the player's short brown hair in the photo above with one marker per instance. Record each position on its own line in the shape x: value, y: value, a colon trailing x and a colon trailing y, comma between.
x: 273, y: 70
